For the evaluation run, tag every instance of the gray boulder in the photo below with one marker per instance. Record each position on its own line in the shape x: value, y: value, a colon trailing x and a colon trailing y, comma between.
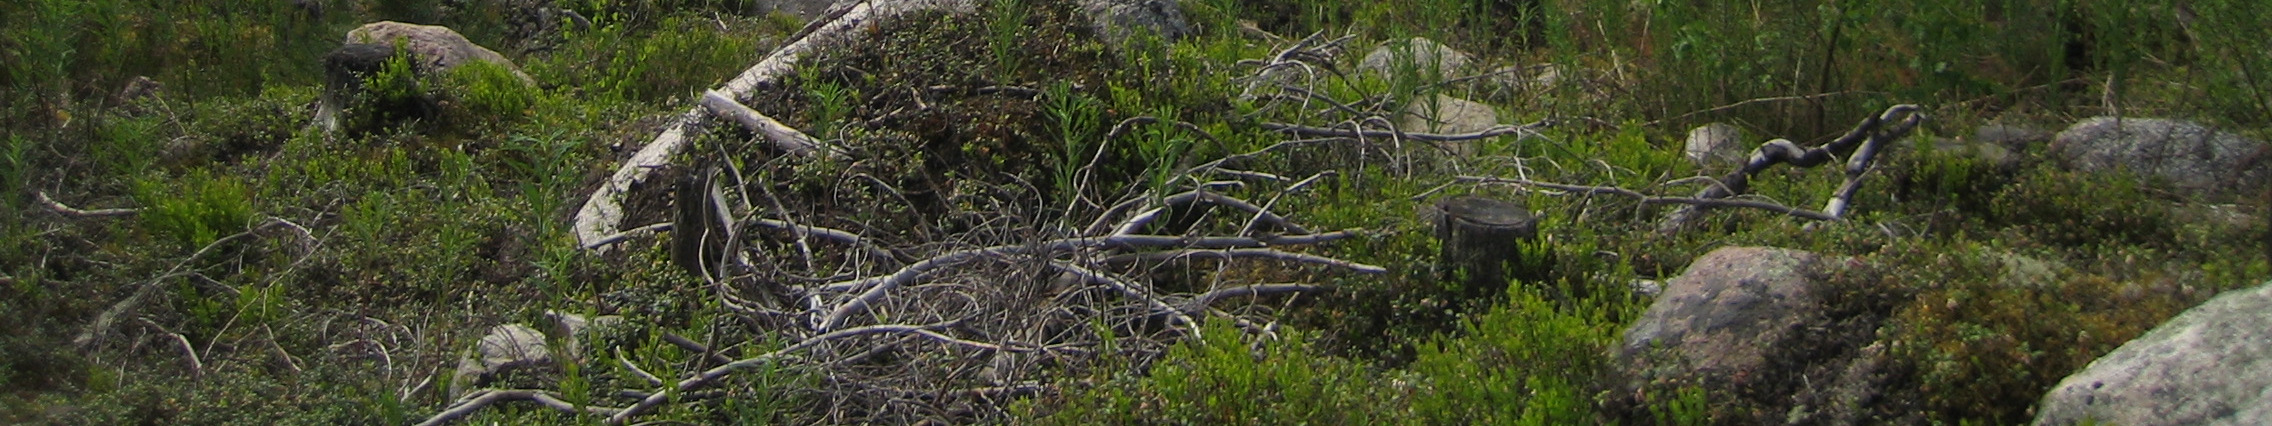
x: 1118, y: 20
x: 1723, y: 315
x: 802, y: 9
x: 506, y: 347
x: 1716, y: 146
x: 1448, y: 115
x: 2010, y: 136
x: 2194, y: 159
x: 1749, y: 323
x: 436, y: 48
x: 433, y: 50
x: 1420, y: 55
x: 2211, y: 365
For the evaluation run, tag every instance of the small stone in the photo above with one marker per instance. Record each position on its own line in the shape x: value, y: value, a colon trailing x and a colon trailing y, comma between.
x: 506, y: 347
x: 1716, y: 146
x: 1420, y: 55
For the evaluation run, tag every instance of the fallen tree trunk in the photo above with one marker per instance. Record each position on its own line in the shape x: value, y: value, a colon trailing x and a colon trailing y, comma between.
x: 603, y: 211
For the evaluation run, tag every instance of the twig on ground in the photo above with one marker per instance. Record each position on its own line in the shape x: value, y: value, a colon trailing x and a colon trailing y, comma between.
x: 1652, y: 199
x: 1494, y: 131
x: 1200, y: 303
x: 74, y: 213
x: 485, y: 398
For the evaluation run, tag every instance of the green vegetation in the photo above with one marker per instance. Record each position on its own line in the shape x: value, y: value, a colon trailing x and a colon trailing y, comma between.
x: 365, y: 262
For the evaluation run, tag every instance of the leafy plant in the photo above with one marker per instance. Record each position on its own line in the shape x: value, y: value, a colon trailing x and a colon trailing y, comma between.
x: 1078, y: 118
x: 195, y: 209
x: 1005, y: 26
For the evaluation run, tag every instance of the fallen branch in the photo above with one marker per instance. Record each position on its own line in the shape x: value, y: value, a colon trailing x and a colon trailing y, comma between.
x: 786, y: 138
x: 196, y: 366
x: 878, y: 286
x: 1647, y: 199
x: 95, y: 331
x: 68, y: 211
x: 661, y: 396
x: 486, y: 398
x: 1200, y: 303
x: 1176, y: 317
x: 604, y: 209
x: 1168, y: 255
x: 1494, y: 131
x: 1860, y: 147
x: 628, y: 234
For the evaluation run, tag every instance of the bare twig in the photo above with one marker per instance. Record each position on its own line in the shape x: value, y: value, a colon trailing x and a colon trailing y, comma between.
x: 74, y: 213
x: 95, y: 331
x: 1167, y: 255
x: 196, y: 367
x: 1200, y: 303
x: 485, y: 398
x: 696, y: 347
x: 1862, y: 143
x: 1494, y: 131
x: 786, y: 138
x: 628, y: 234
x: 1748, y: 102
x: 1652, y: 199
x: 715, y: 373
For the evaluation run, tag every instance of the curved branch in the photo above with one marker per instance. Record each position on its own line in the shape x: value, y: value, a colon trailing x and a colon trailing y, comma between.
x: 1162, y: 256
x: 489, y: 397
x: 1200, y: 303
x: 1495, y: 131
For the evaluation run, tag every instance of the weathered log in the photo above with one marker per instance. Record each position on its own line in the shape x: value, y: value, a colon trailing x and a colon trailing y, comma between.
x: 1480, y: 237
x: 603, y: 211
x: 786, y: 138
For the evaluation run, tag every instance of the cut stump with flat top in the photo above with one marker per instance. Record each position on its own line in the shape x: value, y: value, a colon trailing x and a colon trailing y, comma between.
x: 1481, y: 237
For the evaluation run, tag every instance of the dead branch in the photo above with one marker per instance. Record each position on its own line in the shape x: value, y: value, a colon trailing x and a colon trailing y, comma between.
x: 1200, y: 303
x: 628, y: 234
x: 1747, y: 102
x: 635, y: 370
x: 1176, y: 317
x: 196, y: 367
x: 1647, y: 199
x: 604, y: 209
x: 95, y: 331
x: 838, y: 235
x: 659, y: 397
x: 1168, y: 255
x: 1860, y: 147
x: 785, y: 138
x: 692, y: 346
x: 488, y: 397
x: 1494, y: 131
x: 68, y: 211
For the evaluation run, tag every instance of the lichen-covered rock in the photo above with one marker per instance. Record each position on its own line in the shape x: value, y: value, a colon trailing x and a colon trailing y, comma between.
x: 436, y: 48
x: 1716, y: 146
x: 1448, y: 115
x: 2194, y: 159
x: 2211, y: 365
x: 432, y: 50
x: 506, y: 347
x: 1751, y: 325
x: 1419, y: 55
x: 1118, y: 20
x: 1731, y: 306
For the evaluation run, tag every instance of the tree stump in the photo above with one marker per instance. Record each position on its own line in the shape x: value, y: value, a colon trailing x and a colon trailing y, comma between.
x: 698, y: 234
x: 1480, y: 237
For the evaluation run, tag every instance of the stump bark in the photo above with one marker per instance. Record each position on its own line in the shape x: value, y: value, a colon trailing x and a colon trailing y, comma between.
x: 698, y: 234
x: 1481, y: 238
